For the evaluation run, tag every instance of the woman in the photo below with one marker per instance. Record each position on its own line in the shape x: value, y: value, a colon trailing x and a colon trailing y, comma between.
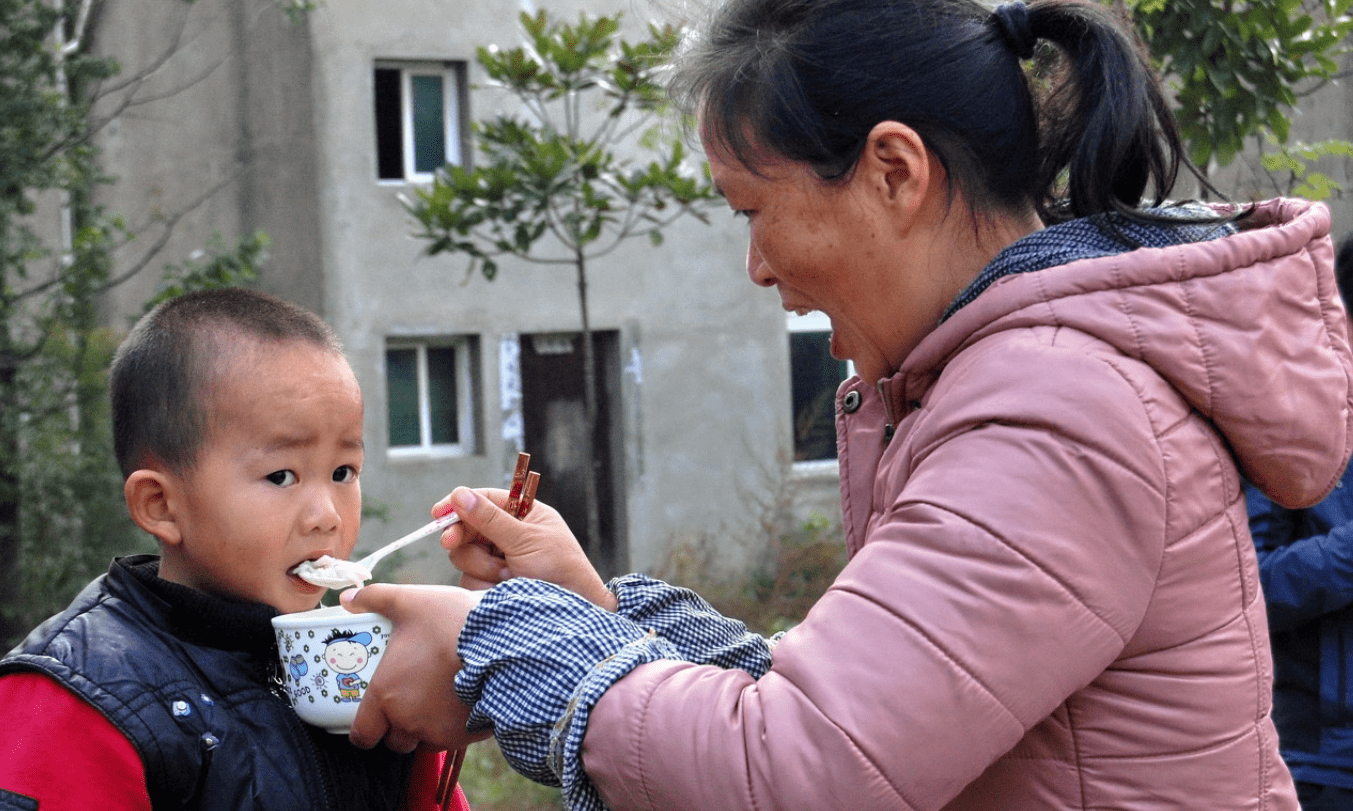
x: 1052, y: 600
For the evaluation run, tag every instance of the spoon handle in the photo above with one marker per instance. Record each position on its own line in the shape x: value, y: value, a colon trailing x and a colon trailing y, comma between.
x: 369, y: 562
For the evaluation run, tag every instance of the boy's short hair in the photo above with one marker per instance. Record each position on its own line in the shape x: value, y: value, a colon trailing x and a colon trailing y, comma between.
x: 160, y: 370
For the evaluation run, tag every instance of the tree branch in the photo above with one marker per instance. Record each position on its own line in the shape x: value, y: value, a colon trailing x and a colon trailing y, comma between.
x: 166, y: 233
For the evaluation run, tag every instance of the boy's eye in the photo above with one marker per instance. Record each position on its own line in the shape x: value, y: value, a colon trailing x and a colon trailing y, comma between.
x: 347, y: 474
x: 281, y: 478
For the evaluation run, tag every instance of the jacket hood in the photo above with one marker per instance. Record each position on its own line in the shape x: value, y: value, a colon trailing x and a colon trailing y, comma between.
x: 1249, y: 328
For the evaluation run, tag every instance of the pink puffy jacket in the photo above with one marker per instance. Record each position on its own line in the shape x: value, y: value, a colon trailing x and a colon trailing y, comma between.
x: 1052, y: 600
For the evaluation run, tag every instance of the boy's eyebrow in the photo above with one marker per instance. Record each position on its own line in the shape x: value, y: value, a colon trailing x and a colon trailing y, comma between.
x: 288, y: 442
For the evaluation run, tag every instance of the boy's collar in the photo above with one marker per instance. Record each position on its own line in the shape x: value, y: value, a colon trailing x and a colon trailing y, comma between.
x: 205, y: 619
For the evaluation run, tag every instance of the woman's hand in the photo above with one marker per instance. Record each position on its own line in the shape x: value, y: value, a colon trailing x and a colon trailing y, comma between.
x: 489, y: 546
x: 411, y: 699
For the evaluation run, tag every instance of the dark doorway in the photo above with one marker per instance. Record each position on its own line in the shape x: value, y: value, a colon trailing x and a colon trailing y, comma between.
x: 555, y: 430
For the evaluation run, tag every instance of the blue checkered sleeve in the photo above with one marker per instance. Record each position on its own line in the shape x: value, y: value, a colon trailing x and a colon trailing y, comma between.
x: 700, y: 633
x: 537, y: 658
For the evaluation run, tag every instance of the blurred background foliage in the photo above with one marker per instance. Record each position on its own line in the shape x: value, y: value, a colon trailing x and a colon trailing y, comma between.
x: 1238, y: 70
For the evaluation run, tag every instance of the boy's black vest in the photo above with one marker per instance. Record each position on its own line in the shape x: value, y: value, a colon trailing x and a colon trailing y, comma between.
x: 189, y: 679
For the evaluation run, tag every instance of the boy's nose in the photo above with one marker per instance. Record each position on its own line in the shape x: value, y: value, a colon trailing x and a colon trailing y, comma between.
x: 323, y: 514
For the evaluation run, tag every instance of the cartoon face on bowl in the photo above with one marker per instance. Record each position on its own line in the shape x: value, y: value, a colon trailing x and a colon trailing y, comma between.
x: 328, y: 656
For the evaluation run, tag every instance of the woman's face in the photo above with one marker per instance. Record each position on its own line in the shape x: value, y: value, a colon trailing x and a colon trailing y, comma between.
x: 840, y: 248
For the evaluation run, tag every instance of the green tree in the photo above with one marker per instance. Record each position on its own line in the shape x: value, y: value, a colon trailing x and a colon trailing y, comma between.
x: 552, y: 187
x: 44, y: 307
x: 1293, y: 168
x: 61, y: 513
x: 1239, y: 68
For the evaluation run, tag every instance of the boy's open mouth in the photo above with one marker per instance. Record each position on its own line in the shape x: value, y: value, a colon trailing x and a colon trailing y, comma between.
x: 331, y: 573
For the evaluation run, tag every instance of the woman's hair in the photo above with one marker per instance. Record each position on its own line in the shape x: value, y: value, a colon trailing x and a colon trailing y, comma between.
x: 807, y: 80
x: 159, y: 381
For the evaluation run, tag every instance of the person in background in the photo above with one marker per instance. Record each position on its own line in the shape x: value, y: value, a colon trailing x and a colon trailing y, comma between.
x: 1052, y: 599
x: 238, y: 427
x: 1306, y: 568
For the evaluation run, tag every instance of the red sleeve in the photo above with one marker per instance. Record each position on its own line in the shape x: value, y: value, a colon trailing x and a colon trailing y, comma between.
x: 57, y: 749
x: 422, y: 793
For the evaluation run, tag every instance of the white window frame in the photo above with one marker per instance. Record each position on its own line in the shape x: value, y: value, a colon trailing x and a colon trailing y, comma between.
x: 465, y: 411
x: 450, y: 73
x: 814, y: 322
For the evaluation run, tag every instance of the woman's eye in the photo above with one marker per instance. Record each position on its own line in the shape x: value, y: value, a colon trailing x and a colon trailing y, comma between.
x: 347, y: 474
x: 742, y: 212
x: 281, y: 478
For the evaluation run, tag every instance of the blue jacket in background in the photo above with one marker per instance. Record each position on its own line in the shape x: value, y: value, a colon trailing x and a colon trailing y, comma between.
x: 1306, y: 567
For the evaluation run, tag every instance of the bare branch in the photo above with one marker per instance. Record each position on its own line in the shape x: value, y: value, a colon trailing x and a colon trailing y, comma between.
x: 175, y: 46
x: 166, y: 233
x: 158, y: 62
x: 168, y: 225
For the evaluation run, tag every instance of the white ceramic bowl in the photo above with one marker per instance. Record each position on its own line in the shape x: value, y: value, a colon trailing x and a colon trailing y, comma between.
x: 328, y: 656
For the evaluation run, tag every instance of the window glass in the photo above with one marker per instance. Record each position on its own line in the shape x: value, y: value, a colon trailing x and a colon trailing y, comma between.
x: 442, y: 395
x: 401, y: 375
x: 815, y: 376
x: 389, y: 125
x: 429, y: 123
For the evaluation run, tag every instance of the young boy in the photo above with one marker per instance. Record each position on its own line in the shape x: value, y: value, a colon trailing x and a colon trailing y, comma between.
x: 238, y: 428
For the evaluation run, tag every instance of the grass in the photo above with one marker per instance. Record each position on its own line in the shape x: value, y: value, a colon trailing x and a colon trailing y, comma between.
x: 491, y: 785
x: 796, y: 570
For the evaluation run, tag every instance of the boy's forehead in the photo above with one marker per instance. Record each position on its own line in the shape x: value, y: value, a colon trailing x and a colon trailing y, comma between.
x: 250, y: 370
x: 249, y: 356
x: 229, y: 344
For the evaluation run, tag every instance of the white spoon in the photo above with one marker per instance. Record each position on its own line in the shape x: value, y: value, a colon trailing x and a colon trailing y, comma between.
x: 332, y: 573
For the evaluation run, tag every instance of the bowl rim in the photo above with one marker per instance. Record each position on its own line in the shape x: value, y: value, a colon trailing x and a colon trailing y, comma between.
x: 324, y: 615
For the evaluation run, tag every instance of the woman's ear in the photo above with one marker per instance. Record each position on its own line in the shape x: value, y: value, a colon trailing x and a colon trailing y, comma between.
x: 150, y: 499
x: 897, y: 162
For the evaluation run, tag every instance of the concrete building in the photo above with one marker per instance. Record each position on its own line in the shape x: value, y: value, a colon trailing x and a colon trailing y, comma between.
x: 234, y: 120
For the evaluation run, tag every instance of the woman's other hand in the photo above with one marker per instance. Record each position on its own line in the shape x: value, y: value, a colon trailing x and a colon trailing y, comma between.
x: 488, y: 545
x: 411, y: 700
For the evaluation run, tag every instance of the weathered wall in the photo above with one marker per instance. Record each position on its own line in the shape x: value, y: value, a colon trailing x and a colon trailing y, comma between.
x: 213, y: 133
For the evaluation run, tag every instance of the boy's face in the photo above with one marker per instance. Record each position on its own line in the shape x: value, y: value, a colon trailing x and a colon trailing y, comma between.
x: 275, y: 481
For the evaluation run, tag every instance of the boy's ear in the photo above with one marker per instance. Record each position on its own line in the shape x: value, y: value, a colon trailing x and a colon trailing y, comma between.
x: 150, y: 498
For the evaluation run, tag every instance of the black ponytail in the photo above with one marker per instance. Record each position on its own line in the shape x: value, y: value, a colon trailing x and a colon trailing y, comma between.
x: 1105, y: 125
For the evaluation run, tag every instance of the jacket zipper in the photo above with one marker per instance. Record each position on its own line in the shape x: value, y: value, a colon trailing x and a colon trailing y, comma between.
x: 890, y: 426
x: 276, y: 688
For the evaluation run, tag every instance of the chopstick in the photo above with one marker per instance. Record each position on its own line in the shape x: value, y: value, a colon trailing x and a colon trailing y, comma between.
x: 518, y: 483
x: 446, y: 783
x: 521, y: 496
x: 528, y: 494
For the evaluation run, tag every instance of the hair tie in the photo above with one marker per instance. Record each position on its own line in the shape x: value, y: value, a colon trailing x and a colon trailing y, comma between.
x: 1012, y: 20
